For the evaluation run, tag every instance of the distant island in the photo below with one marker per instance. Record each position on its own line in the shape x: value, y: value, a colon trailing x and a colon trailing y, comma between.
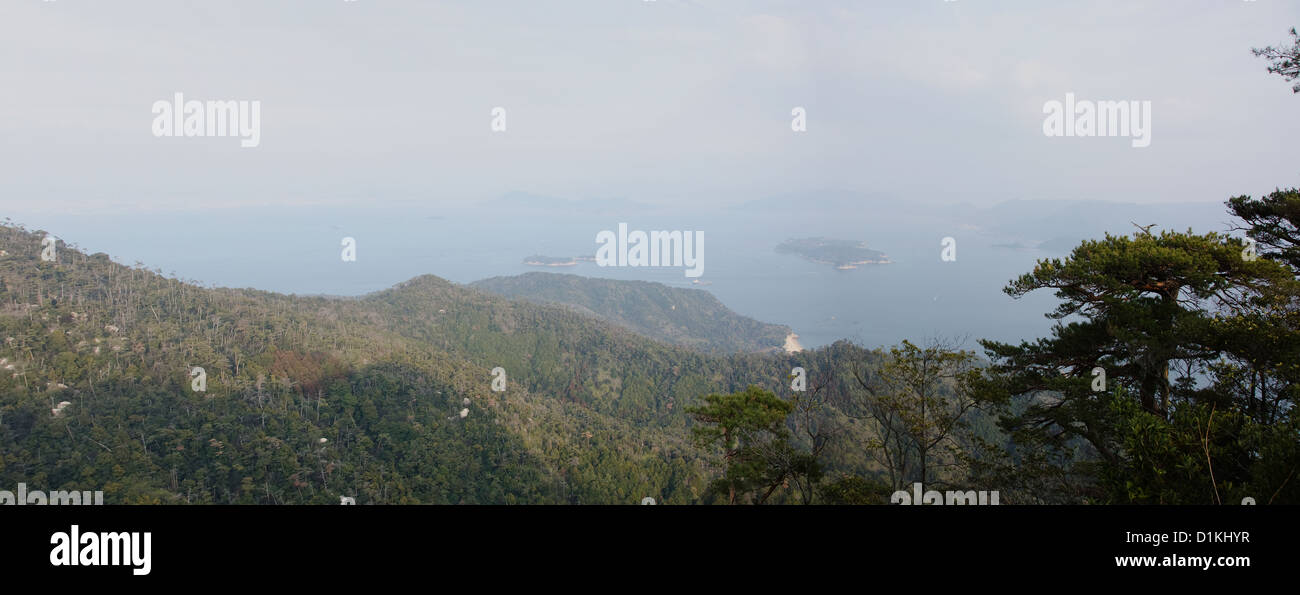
x: 842, y: 254
x: 538, y: 260
x: 1057, y: 244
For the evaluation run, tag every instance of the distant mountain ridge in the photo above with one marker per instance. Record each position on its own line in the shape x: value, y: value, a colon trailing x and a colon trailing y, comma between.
x: 691, y: 318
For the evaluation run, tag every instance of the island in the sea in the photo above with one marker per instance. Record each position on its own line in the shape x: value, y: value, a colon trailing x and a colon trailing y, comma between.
x: 842, y: 254
x: 537, y: 260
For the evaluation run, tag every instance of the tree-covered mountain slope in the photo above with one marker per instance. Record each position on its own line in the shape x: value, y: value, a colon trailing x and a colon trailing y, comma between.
x: 687, y: 317
x: 386, y: 398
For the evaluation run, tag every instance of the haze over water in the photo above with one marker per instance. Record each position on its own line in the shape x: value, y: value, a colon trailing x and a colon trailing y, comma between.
x: 916, y: 297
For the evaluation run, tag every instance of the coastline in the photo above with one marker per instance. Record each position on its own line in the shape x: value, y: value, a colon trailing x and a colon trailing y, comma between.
x: 792, y: 343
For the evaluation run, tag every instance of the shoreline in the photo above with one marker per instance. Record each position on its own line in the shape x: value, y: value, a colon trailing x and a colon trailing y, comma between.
x: 792, y: 343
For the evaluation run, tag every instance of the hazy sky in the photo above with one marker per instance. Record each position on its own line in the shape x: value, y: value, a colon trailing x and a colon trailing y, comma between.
x: 682, y: 103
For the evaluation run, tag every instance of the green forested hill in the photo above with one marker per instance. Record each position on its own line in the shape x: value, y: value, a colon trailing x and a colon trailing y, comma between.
x: 310, y: 398
x: 432, y: 392
x: 688, y: 317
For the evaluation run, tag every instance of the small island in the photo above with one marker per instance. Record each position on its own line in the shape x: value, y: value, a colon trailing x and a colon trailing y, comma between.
x: 537, y: 260
x: 842, y: 254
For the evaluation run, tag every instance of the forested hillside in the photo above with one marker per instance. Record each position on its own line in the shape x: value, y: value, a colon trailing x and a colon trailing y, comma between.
x: 687, y: 317
x: 309, y: 399
x: 1171, y: 377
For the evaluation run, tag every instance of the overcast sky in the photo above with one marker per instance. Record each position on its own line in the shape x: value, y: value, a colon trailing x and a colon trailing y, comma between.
x: 681, y: 103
